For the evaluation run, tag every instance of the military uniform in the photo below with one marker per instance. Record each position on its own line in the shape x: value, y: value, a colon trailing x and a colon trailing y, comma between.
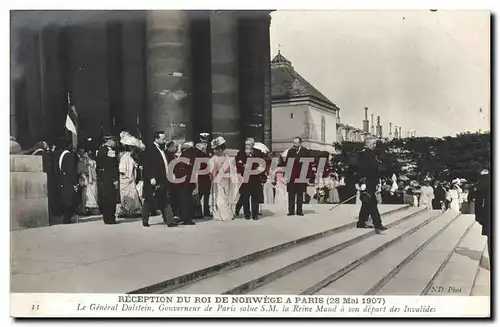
x: 107, y: 183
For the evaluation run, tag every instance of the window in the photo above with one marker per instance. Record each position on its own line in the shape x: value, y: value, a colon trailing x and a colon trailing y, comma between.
x: 323, y: 129
x: 291, y: 115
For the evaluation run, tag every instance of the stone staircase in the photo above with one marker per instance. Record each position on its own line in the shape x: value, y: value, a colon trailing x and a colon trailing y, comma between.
x: 422, y: 253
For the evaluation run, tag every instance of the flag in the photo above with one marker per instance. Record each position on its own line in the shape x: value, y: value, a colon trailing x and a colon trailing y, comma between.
x: 72, y: 122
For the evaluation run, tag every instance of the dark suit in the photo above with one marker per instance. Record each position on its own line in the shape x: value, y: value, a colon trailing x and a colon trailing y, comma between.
x: 250, y: 191
x: 482, y: 206
x: 184, y: 170
x: 204, y: 183
x: 172, y: 196
x: 367, y: 172
x: 295, y: 187
x: 155, y: 195
x: 67, y: 180
x: 107, y: 174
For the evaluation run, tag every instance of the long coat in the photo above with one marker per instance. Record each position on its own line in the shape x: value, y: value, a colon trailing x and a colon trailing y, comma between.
x: 367, y: 169
x: 153, y: 167
x: 66, y: 177
x: 184, y: 168
x: 295, y: 156
x: 482, y: 206
x: 107, y: 174
x: 241, y: 160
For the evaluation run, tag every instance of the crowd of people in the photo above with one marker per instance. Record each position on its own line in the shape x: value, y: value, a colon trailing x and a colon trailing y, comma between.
x: 125, y: 178
x: 122, y: 177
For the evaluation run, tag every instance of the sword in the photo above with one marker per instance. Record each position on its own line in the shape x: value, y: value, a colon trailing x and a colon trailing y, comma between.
x: 342, y: 202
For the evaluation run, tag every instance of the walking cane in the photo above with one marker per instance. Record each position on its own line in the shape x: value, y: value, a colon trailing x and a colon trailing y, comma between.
x: 342, y: 202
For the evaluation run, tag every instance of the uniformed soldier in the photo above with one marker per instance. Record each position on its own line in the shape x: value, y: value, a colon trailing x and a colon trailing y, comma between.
x: 66, y: 178
x: 107, y: 179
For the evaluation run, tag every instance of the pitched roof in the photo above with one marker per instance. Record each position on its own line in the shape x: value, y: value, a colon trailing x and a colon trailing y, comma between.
x: 287, y: 84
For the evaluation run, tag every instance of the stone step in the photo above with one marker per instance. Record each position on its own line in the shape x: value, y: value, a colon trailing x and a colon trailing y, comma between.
x: 459, y: 273
x: 265, y: 270
x: 417, y: 276
x: 482, y: 284
x: 370, y: 276
x: 338, y: 222
x: 311, y: 278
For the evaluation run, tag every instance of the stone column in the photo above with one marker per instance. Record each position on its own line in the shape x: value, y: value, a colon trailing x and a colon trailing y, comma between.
x: 265, y: 24
x: 133, y: 83
x: 224, y: 56
x: 255, y: 75
x: 168, y: 74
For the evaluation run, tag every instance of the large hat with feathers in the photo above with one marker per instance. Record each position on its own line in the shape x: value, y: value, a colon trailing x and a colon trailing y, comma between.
x: 218, y: 141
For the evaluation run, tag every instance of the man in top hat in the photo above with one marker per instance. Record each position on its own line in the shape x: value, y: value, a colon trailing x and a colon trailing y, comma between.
x: 66, y: 178
x: 183, y: 184
x: 108, y: 191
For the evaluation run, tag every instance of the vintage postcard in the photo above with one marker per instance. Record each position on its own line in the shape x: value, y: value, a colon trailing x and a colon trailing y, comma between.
x: 250, y: 163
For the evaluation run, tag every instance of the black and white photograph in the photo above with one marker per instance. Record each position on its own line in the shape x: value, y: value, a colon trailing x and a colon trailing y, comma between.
x: 279, y: 162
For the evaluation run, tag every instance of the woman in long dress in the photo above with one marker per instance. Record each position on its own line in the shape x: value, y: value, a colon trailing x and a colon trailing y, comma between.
x: 426, y: 196
x: 280, y: 193
x: 454, y: 198
x: 88, y: 184
x: 130, y: 202
x: 224, y: 185
x: 333, y: 194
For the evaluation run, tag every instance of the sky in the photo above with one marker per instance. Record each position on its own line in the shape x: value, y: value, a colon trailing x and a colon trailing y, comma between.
x: 425, y: 71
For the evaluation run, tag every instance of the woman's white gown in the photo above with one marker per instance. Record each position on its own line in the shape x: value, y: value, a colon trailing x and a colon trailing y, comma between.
x: 224, y: 188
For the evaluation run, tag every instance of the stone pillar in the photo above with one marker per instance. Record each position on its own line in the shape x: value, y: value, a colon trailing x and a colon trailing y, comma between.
x: 266, y: 58
x: 133, y: 72
x: 201, y: 72
x: 168, y: 74
x: 255, y: 74
x: 224, y: 57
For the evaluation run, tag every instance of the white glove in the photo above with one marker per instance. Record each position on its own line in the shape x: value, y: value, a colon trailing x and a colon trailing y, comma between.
x: 153, y: 181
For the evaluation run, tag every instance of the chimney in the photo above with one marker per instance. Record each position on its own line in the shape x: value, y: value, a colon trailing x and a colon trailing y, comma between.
x: 400, y: 132
x: 379, y: 128
x: 396, y: 134
x: 390, y: 129
x: 366, y: 123
x: 373, y: 127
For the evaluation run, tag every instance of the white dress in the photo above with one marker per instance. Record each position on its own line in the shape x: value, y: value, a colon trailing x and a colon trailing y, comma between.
x: 281, y: 197
x: 426, y: 197
x: 130, y: 202
x: 224, y: 188
x: 454, y: 197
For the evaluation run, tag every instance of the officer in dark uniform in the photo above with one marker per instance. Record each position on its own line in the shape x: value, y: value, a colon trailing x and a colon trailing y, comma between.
x: 368, y: 178
x: 183, y: 169
x: 482, y: 205
x: 107, y: 179
x: 66, y: 178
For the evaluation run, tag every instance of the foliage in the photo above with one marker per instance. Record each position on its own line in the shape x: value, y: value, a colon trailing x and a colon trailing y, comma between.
x: 462, y: 156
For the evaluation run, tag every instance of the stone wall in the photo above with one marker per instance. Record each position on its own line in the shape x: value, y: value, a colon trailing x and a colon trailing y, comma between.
x: 28, y: 193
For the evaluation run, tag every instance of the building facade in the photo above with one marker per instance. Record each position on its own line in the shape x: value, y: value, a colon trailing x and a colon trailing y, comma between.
x: 183, y: 72
x: 299, y: 109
